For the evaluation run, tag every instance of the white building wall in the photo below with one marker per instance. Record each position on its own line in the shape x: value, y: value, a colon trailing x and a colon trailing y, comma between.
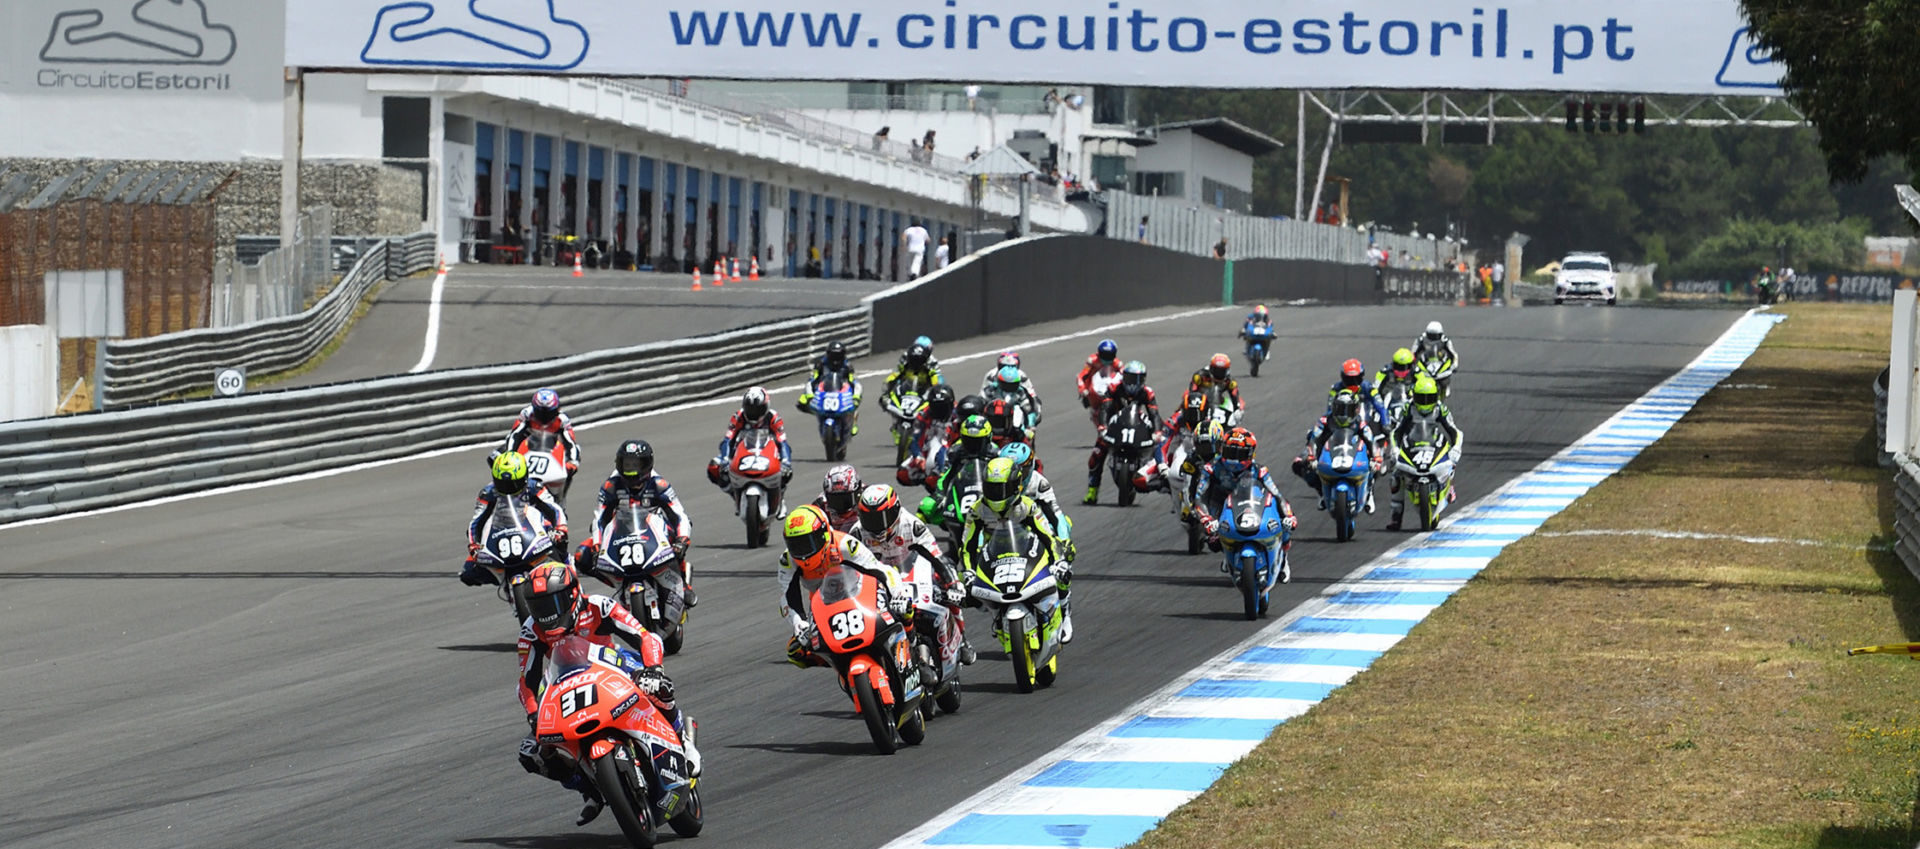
x: 1222, y: 163
x: 1173, y: 152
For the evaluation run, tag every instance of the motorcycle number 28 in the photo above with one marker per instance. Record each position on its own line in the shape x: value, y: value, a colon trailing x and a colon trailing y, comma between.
x: 577, y: 699
x: 846, y: 624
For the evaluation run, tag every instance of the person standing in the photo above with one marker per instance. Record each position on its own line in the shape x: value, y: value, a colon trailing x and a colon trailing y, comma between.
x: 1143, y: 230
x: 943, y: 253
x: 1499, y: 273
x: 915, y: 238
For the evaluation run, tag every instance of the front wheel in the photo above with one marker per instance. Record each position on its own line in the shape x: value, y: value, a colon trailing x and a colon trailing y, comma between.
x: 1429, y: 509
x: 1254, y: 358
x: 1342, y: 516
x: 1196, y: 539
x: 1123, y: 481
x: 1250, y: 585
x: 913, y: 732
x: 621, y: 788
x: 879, y: 717
x: 692, y: 818
x: 674, y: 641
x: 1022, y: 657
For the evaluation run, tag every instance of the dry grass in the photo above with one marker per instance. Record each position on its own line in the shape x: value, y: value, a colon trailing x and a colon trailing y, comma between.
x: 1632, y: 691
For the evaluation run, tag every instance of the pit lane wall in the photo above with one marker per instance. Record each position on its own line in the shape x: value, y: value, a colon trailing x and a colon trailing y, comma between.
x: 1050, y: 278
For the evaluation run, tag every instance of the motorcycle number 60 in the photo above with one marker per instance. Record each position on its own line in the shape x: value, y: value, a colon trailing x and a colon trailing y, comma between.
x: 847, y: 624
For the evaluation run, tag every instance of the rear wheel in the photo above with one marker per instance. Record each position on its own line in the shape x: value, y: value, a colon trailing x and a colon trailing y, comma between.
x: 1249, y: 580
x: 878, y: 715
x: 1195, y: 538
x: 621, y: 788
x: 691, y: 818
x: 949, y: 698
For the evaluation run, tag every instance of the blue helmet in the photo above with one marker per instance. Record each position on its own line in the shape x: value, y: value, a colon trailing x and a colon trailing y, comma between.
x: 1022, y: 456
x: 924, y: 342
x: 1108, y: 350
x: 1009, y: 374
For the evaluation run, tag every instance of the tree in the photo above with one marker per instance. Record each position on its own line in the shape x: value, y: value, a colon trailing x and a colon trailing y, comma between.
x: 1849, y: 70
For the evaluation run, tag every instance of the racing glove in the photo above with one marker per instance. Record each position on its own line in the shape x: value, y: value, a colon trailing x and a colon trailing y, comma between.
x: 477, y: 576
x: 654, y: 682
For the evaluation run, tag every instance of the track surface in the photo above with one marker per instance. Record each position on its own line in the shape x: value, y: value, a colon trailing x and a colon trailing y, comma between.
x: 296, y: 666
x: 505, y: 313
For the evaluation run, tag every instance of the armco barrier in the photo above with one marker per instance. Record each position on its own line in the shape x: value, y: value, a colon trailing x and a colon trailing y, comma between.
x: 139, y: 370
x: 1906, y: 513
x: 97, y: 460
x: 1057, y: 277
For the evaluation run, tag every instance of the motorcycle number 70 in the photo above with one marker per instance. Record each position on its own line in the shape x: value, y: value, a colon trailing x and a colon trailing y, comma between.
x: 846, y: 624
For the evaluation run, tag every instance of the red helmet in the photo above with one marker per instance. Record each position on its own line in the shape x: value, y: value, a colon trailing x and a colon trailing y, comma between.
x: 1352, y: 369
x: 1219, y: 365
x: 999, y: 415
x: 551, y: 594
x: 1260, y: 310
x: 1240, y: 446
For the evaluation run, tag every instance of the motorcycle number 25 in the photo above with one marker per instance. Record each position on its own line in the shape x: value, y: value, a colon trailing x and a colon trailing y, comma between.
x: 847, y: 624
x: 577, y: 699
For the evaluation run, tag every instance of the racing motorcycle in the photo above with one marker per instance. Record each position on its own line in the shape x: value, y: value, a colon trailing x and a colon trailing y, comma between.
x: 1345, y: 469
x: 1424, y: 470
x: 1013, y: 578
x: 872, y: 655
x: 1440, y: 365
x: 594, y: 716
x: 1220, y: 408
x: 1177, y: 481
x: 949, y: 504
x: 637, y: 557
x: 755, y: 478
x: 902, y: 406
x: 547, y: 462
x: 833, y: 404
x: 1130, y: 434
x: 1259, y: 339
x: 936, y: 645
x: 1254, y: 539
x: 513, y: 540
x: 924, y: 465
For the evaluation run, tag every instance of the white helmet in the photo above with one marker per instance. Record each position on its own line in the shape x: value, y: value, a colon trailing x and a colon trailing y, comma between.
x: 1435, y: 332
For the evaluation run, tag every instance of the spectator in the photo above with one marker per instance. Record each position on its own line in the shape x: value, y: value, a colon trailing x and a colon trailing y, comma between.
x: 915, y: 238
x: 880, y: 139
x: 1220, y: 248
x: 926, y: 144
x: 943, y: 254
x: 1499, y: 272
x: 1143, y: 230
x: 973, y: 96
x: 975, y: 154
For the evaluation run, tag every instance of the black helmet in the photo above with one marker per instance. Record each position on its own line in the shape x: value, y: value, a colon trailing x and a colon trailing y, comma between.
x: 836, y: 354
x: 1000, y: 415
x: 753, y: 405
x: 917, y: 357
x: 940, y: 401
x: 634, y: 462
x: 970, y: 405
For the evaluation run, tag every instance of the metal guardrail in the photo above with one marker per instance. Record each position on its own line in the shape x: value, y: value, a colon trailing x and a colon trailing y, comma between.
x: 87, y: 462
x: 142, y: 370
x: 1906, y: 513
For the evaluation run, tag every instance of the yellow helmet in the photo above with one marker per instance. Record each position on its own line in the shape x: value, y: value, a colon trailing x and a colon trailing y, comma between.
x: 1001, y: 485
x: 510, y: 472
x: 810, y: 542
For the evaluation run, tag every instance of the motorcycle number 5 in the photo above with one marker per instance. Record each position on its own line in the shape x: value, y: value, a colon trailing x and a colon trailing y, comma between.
x: 752, y: 463
x: 846, y: 624
x: 577, y: 699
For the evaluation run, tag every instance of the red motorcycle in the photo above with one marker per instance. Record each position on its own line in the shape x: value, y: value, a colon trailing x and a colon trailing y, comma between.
x: 594, y: 716
x: 756, y: 480
x: 873, y: 656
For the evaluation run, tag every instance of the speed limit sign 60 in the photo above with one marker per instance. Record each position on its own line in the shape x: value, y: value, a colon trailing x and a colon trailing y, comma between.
x: 230, y: 382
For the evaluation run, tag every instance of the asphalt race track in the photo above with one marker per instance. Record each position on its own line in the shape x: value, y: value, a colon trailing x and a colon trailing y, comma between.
x: 507, y: 313
x: 296, y: 666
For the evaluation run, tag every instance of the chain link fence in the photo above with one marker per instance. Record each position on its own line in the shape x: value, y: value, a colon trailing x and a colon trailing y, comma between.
x: 280, y: 282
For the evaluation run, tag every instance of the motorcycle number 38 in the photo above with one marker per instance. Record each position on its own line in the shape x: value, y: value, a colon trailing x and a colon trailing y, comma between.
x: 847, y: 624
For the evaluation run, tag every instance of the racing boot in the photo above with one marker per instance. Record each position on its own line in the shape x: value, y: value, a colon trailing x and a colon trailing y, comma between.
x: 1063, y: 576
x: 588, y: 794
x: 688, y: 730
x: 1369, y: 501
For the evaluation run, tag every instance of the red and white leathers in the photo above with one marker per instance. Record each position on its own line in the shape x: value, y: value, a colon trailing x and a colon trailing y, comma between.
x: 526, y: 425
x: 1150, y: 475
x: 795, y: 589
x: 900, y: 544
x: 916, y: 468
x: 842, y: 522
x: 1096, y: 379
x: 599, y: 620
x: 771, y: 421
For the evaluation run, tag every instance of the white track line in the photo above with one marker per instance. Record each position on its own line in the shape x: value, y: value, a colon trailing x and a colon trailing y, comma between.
x: 432, y: 345
x: 691, y: 405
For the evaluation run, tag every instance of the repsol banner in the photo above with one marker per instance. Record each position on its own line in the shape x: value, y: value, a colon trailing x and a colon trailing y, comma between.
x: 1639, y: 46
x: 1806, y: 286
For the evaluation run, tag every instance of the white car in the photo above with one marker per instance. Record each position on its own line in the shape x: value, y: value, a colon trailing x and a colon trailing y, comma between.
x: 1585, y: 277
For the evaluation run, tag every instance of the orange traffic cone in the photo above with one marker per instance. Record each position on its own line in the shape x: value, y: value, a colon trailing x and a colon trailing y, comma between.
x: 753, y: 268
x: 719, y: 273
x: 696, y: 278
x: 736, y: 269
x: 443, y: 263
x: 577, y: 271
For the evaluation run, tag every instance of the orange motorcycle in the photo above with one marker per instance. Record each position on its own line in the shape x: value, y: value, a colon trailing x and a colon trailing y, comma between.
x: 872, y: 654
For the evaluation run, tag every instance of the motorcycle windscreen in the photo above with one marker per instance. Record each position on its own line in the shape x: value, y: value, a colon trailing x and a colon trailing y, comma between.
x: 511, y: 534
x: 540, y: 446
x: 570, y: 654
x: 1341, y: 454
x: 842, y: 584
x: 635, y: 538
x: 1012, y: 550
x: 1249, y: 500
x: 1423, y: 442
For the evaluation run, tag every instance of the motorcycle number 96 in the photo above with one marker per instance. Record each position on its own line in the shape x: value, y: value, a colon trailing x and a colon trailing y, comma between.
x: 846, y: 624
x: 511, y: 546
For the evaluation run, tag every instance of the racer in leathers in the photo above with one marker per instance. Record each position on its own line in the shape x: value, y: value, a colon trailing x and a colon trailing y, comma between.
x: 1221, y: 476
x: 1005, y: 419
x: 1192, y: 413
x: 1011, y: 385
x: 1001, y: 504
x: 1353, y: 378
x: 917, y: 370
x: 557, y: 609
x: 544, y: 416
x: 1259, y: 317
x: 1215, y: 375
x: 936, y: 414
x: 1435, y: 340
x: 1426, y: 407
x: 634, y: 481
x: 1401, y: 370
x: 1010, y: 358
x: 1132, y: 389
x: 834, y: 358
x: 511, y: 486
x: 839, y: 495
x: 896, y: 537
x: 1344, y: 412
x: 1098, y: 376
x: 975, y: 442
x: 754, y: 414
x: 1038, y: 488
x: 814, y: 549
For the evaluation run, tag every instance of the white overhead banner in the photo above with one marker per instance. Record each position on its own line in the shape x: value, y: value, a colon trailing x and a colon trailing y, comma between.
x: 1648, y: 46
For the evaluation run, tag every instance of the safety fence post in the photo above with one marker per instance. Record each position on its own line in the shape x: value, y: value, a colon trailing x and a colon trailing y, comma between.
x: 1226, y: 284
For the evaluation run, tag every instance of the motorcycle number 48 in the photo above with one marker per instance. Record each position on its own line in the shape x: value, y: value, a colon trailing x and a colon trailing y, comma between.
x: 752, y: 463
x: 577, y: 699
x: 846, y: 624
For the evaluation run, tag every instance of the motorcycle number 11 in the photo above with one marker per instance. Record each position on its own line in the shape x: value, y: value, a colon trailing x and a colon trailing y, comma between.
x: 847, y: 624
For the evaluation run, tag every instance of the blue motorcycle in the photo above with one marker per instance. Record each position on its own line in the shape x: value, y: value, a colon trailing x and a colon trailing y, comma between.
x: 1345, y: 469
x: 1253, y: 536
x: 1259, y: 339
x: 834, y: 402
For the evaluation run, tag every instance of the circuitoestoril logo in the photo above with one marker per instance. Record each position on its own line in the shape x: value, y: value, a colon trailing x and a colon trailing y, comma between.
x: 494, y: 34
x: 144, y: 32
x: 1748, y: 65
